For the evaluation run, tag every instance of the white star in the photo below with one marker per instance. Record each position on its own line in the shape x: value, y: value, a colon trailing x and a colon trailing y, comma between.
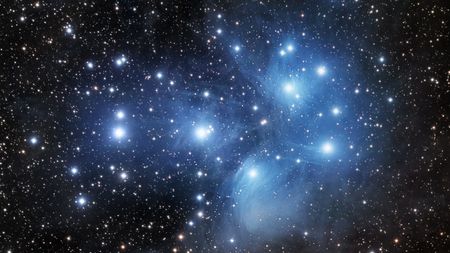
x: 120, y: 61
x: 33, y: 140
x: 335, y: 111
x: 327, y: 148
x: 120, y: 114
x: 203, y: 133
x: 69, y: 30
x: 119, y: 132
x: 253, y: 173
x: 290, y: 48
x: 81, y: 201
x: 321, y: 70
x: 289, y: 88
x: 74, y: 170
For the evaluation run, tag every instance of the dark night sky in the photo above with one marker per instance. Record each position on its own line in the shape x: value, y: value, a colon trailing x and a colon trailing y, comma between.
x: 224, y: 126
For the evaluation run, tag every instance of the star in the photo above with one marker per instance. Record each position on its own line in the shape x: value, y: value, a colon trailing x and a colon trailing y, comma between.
x: 33, y: 140
x: 327, y: 148
x: 90, y: 65
x: 120, y: 114
x: 121, y: 60
x: 321, y: 70
x: 290, y: 48
x: 253, y: 173
x: 336, y: 111
x: 289, y: 88
x: 119, y: 132
x: 69, y: 29
x: 81, y: 201
x: 74, y: 170
x: 202, y: 133
x: 123, y: 175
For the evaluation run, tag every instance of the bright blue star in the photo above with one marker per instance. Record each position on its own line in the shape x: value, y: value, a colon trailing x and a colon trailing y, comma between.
x: 253, y: 173
x: 81, y: 201
x: 33, y: 140
x: 74, y: 170
x: 121, y: 61
x: 90, y: 65
x: 119, y: 132
x: 327, y: 148
x: 321, y: 70
x: 120, y: 114
x: 202, y: 133
x: 336, y: 111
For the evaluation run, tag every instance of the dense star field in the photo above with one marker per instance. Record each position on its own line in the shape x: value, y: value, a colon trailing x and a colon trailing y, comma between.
x: 225, y: 126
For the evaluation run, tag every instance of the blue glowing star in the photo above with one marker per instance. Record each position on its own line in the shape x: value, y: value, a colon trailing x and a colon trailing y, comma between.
x: 199, y: 197
x: 321, y: 70
x: 203, y: 133
x: 327, y: 148
x: 119, y: 132
x: 120, y: 61
x: 120, y: 114
x: 290, y: 48
x: 336, y: 111
x: 159, y: 75
x: 253, y: 173
x: 33, y: 140
x: 289, y: 88
x: 123, y: 175
x: 237, y: 48
x: 81, y: 201
x: 69, y: 29
x: 381, y: 59
x: 219, y: 31
x: 90, y: 65
x: 74, y: 170
x: 390, y: 100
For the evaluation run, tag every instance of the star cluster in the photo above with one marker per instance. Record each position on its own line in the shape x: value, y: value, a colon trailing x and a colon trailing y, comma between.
x: 224, y: 126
